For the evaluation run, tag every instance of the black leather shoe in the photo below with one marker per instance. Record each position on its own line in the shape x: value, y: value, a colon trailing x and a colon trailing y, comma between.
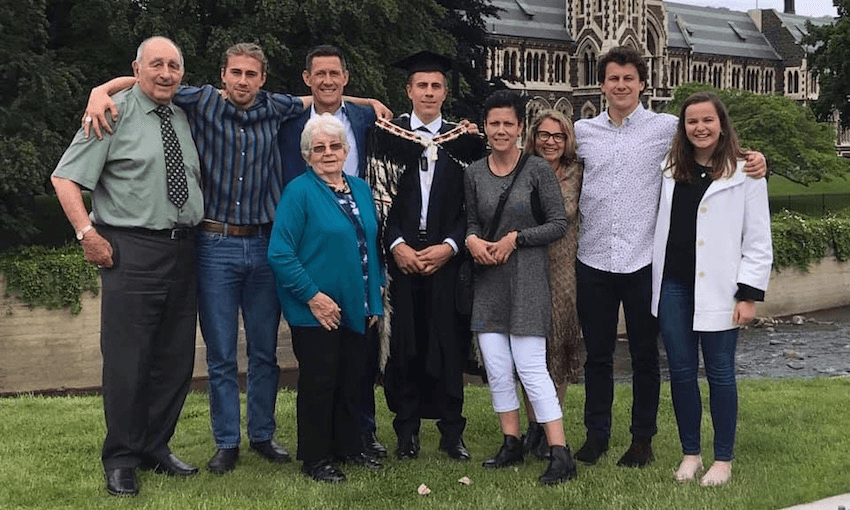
x: 121, y: 482
x: 534, y: 441
x: 639, y: 454
x: 561, y: 467
x: 407, y: 448
x: 224, y: 460
x: 456, y: 450
x: 592, y: 449
x: 363, y: 460
x: 271, y: 450
x: 170, y: 465
x: 323, y: 471
x: 372, y: 447
x: 509, y: 454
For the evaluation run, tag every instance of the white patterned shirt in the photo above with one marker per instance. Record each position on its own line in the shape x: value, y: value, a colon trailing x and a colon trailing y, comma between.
x: 621, y: 187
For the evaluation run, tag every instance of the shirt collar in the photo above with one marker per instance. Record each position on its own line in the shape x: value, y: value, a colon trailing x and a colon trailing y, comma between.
x: 339, y: 113
x: 628, y: 118
x: 433, y: 127
x: 147, y: 103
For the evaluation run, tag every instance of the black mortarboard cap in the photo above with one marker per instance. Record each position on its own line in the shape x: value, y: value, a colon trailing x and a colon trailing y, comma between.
x: 424, y: 61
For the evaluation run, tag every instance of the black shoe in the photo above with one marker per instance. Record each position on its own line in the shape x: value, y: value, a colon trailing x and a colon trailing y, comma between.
x: 639, y: 454
x: 271, y: 451
x: 363, y: 460
x: 561, y: 468
x: 509, y: 454
x: 372, y: 447
x: 323, y: 471
x: 592, y: 449
x: 534, y: 441
x: 169, y: 465
x: 224, y: 460
x: 533, y: 437
x: 407, y: 448
x: 121, y: 482
x: 456, y: 450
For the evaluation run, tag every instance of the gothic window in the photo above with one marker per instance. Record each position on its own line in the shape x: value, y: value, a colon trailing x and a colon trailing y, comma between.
x: 589, y: 68
x: 536, y: 67
x: 796, y: 82
x: 543, y: 67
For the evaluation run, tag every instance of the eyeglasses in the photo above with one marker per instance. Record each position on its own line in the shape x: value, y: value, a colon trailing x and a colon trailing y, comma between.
x: 545, y: 135
x: 321, y: 149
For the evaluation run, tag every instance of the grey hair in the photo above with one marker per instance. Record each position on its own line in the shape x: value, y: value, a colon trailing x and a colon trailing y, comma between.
x: 324, y: 123
x: 144, y: 44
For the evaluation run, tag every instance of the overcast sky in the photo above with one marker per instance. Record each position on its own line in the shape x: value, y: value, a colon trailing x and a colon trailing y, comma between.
x: 804, y: 8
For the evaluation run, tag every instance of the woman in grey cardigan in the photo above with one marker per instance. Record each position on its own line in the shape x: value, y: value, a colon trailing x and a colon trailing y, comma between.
x: 511, y: 312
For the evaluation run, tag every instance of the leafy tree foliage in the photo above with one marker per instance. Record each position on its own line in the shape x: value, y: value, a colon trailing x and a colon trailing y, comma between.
x: 830, y: 61
x: 798, y: 147
x: 53, y: 51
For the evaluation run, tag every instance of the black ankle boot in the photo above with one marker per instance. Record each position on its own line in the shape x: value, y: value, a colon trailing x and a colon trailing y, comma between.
x: 510, y: 453
x: 532, y: 439
x: 562, y: 467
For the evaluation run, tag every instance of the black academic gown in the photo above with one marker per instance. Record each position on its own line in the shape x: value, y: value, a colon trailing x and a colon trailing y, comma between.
x: 448, y: 337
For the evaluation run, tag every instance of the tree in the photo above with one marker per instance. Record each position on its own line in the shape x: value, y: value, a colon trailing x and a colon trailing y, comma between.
x: 830, y: 62
x: 798, y: 147
x: 38, y: 95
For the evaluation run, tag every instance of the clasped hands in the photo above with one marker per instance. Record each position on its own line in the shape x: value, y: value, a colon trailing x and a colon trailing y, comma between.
x: 491, y: 253
x: 425, y: 262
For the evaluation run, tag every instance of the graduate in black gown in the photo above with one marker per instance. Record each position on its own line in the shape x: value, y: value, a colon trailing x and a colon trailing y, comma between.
x: 415, y: 169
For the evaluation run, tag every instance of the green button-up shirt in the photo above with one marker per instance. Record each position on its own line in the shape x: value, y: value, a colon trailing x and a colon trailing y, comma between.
x: 126, y: 170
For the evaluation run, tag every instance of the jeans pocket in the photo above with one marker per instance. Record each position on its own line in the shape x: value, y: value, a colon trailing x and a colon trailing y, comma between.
x: 208, y: 239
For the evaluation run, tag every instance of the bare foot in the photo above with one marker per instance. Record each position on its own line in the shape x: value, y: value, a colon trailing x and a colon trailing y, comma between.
x: 719, y: 474
x: 690, y: 466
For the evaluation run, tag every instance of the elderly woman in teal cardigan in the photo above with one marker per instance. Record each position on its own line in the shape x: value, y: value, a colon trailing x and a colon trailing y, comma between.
x: 324, y: 254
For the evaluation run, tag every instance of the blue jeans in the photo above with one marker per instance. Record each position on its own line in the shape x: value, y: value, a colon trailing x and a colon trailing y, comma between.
x: 234, y: 273
x: 675, y: 317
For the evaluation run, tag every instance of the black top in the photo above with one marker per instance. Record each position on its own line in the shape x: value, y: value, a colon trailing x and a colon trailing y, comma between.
x: 681, y: 258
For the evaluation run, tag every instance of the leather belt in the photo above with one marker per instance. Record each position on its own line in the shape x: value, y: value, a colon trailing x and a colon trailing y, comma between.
x: 234, y: 230
x: 171, y: 233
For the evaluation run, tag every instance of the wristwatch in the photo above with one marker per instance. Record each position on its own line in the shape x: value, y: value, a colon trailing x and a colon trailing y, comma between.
x: 82, y: 233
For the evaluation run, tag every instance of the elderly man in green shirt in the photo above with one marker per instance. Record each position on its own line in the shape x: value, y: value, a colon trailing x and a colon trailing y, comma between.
x: 146, y: 200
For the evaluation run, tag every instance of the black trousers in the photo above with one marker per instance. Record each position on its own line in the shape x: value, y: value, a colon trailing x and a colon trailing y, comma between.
x: 148, y: 319
x: 599, y: 294
x: 330, y: 371
x: 417, y: 394
x: 366, y: 410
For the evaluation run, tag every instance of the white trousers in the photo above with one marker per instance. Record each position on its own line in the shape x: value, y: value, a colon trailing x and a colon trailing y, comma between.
x: 506, y: 355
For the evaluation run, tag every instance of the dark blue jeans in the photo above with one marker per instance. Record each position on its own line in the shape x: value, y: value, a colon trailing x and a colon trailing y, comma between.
x: 599, y: 294
x: 676, y: 317
x: 233, y: 274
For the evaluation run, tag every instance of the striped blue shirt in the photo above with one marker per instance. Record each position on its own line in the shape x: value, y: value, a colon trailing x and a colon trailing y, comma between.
x: 240, y: 162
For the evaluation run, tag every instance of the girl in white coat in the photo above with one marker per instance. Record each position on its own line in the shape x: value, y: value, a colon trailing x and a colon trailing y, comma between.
x: 711, y: 261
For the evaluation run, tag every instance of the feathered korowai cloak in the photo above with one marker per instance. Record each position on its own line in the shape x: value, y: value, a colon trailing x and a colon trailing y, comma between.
x: 392, y: 149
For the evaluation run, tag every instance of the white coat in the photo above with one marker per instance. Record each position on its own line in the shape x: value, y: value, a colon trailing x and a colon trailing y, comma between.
x: 733, y: 245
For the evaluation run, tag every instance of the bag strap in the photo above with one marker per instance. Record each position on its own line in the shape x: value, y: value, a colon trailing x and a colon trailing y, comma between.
x: 503, y: 198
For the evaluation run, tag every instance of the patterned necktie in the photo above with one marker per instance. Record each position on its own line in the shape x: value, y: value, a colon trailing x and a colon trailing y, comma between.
x: 178, y: 189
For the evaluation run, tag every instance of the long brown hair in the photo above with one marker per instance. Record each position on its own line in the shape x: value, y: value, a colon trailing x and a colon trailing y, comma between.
x: 569, y: 144
x: 682, y: 160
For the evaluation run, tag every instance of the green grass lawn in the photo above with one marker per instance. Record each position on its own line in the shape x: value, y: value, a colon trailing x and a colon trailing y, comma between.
x: 778, y: 185
x: 793, y: 447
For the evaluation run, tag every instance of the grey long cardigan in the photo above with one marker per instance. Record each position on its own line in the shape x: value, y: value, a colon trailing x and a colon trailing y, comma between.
x: 514, y: 298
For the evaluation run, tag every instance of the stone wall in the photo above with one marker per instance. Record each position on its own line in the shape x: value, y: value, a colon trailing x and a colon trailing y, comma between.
x: 51, y: 350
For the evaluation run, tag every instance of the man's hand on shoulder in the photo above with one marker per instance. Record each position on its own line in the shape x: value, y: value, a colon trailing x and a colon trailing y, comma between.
x: 756, y: 165
x: 381, y: 111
